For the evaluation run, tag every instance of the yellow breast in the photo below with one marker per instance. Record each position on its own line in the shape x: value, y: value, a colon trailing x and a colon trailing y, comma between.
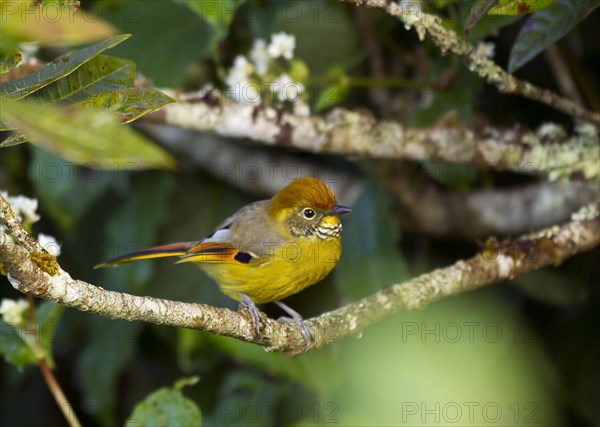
x: 285, y: 271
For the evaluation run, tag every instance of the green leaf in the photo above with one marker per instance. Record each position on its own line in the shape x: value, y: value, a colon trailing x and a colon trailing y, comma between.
x: 60, y: 67
x: 165, y: 407
x: 106, y: 82
x: 13, y: 348
x: 132, y: 103
x: 85, y: 136
x: 519, y: 7
x: 97, y: 76
x: 370, y: 259
x: 48, y: 315
x: 22, y: 346
x: 162, y: 51
x: 335, y: 92
x: 10, y: 57
x: 547, y: 26
x: 218, y: 13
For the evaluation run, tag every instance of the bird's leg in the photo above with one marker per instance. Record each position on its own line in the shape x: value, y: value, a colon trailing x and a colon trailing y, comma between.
x: 296, y: 318
x: 252, y: 309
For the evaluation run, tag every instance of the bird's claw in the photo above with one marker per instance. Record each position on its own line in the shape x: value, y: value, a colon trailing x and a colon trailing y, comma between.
x: 252, y: 310
x: 296, y: 318
x: 304, y: 330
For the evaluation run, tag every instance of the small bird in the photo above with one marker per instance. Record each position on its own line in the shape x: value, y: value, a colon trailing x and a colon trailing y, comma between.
x: 267, y: 250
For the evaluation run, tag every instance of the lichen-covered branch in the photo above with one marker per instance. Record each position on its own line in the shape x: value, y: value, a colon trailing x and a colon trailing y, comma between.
x: 549, y: 150
x: 499, y: 261
x: 411, y: 14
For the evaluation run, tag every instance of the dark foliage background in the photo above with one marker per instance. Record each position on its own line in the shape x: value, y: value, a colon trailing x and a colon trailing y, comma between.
x: 522, y: 352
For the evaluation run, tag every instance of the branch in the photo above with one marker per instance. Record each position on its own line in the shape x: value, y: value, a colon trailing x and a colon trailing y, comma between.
x: 410, y: 13
x: 498, y: 262
x: 477, y: 214
x: 547, y: 151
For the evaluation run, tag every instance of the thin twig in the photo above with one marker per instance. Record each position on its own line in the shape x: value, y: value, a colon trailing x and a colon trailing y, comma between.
x: 378, y: 95
x: 562, y: 74
x: 411, y: 14
x: 61, y: 400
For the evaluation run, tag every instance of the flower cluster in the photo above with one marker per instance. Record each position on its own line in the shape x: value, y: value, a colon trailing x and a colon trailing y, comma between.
x: 12, y: 311
x: 25, y: 209
x: 269, y: 74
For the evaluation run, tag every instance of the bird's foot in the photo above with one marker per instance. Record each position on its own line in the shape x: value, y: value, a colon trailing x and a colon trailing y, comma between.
x: 296, y: 318
x: 252, y: 310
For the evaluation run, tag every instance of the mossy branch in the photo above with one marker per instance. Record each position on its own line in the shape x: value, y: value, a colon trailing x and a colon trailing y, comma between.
x: 547, y: 151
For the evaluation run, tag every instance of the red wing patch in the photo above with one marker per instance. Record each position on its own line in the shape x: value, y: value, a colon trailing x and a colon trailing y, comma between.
x: 215, y: 252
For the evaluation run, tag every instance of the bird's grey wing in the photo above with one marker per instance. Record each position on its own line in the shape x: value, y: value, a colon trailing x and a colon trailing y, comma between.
x: 257, y: 240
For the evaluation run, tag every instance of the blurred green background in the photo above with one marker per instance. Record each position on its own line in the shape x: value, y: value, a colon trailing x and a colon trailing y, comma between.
x: 518, y: 353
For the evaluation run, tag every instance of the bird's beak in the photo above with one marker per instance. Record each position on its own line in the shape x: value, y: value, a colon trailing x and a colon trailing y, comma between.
x: 339, y: 210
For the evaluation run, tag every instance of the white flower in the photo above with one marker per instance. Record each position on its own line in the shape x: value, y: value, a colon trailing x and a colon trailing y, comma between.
x: 301, y: 108
x: 260, y: 56
x: 24, y: 207
x: 287, y: 89
x: 240, y: 71
x: 245, y: 92
x: 12, y: 310
x: 50, y: 244
x: 282, y: 44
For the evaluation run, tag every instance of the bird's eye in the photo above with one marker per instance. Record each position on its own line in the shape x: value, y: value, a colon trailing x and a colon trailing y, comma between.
x: 308, y: 213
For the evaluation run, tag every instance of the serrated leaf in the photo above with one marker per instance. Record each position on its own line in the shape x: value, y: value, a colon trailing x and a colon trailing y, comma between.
x: 85, y: 136
x: 99, y: 75
x: 547, y: 26
x: 519, y: 7
x: 165, y: 407
x: 131, y: 104
x: 10, y: 57
x: 50, y: 23
x: 60, y: 67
